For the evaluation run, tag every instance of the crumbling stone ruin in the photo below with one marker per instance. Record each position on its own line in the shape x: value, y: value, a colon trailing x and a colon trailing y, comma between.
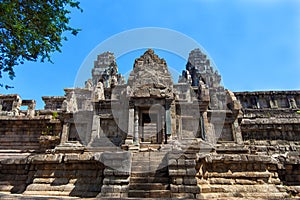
x: 152, y: 138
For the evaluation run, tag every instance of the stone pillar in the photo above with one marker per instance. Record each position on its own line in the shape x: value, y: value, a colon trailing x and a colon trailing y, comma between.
x: 209, y: 129
x: 130, y: 130
x: 65, y: 133
x: 162, y: 138
x: 95, y: 133
x: 237, y: 133
x: 168, y: 124
x: 202, y: 127
x: 168, y: 120
x: 136, y: 126
x: 179, y: 127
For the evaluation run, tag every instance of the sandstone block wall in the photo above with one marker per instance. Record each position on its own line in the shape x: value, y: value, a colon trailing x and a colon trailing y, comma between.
x: 23, y: 133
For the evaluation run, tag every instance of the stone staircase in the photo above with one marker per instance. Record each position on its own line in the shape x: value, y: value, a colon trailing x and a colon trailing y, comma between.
x: 149, y: 176
x: 150, y: 131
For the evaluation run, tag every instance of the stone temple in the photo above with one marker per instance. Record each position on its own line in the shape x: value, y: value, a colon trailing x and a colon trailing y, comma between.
x: 149, y: 137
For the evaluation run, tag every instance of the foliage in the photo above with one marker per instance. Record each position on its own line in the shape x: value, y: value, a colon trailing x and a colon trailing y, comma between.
x: 30, y: 30
x: 298, y: 111
x: 55, y: 115
x: 48, y: 130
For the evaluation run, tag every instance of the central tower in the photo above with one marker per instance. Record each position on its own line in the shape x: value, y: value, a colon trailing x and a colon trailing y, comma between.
x: 150, y: 91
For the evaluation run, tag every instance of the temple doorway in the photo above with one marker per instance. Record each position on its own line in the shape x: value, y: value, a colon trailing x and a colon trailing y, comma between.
x: 149, y: 127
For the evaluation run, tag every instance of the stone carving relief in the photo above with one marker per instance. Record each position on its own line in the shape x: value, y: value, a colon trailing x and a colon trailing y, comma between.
x: 89, y: 84
x: 70, y: 103
x: 99, y: 92
x: 273, y: 102
x: 292, y: 103
x: 16, y: 106
x: 31, y: 110
x: 150, y: 77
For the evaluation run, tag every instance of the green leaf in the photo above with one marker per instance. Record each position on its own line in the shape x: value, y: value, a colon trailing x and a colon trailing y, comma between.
x: 32, y: 30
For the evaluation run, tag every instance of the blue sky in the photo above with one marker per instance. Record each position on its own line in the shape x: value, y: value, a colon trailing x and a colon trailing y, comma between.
x: 254, y: 44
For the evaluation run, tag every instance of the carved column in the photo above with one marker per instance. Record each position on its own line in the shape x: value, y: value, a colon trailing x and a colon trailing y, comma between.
x: 202, y: 127
x: 168, y: 120
x: 168, y: 123
x: 129, y: 139
x: 130, y: 130
x: 136, y: 126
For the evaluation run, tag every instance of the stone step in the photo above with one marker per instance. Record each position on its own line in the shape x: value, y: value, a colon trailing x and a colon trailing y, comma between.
x: 149, y: 194
x: 149, y: 157
x: 62, y: 181
x: 49, y: 187
x: 12, y: 157
x: 243, y: 195
x: 149, y: 126
x: 12, y: 185
x: 14, y: 135
x: 152, y: 163
x: 77, y: 193
x: 58, y: 174
x: 47, y: 193
x: 18, y: 139
x: 214, y: 188
x: 147, y: 153
x: 13, y: 177
x: 148, y: 186
x: 6, y: 187
x: 148, y: 168
x: 19, y: 146
x: 146, y: 161
x: 149, y: 174
x: 43, y: 180
x: 103, y: 149
x: 163, y: 180
x: 149, y: 146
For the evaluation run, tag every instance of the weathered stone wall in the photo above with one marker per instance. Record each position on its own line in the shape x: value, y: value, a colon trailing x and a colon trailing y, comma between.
x: 239, y: 175
x: 182, y: 172
x: 269, y: 99
x: 65, y: 175
x: 270, y: 115
x: 53, y: 102
x: 28, y: 134
x: 14, y: 175
x: 70, y: 174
